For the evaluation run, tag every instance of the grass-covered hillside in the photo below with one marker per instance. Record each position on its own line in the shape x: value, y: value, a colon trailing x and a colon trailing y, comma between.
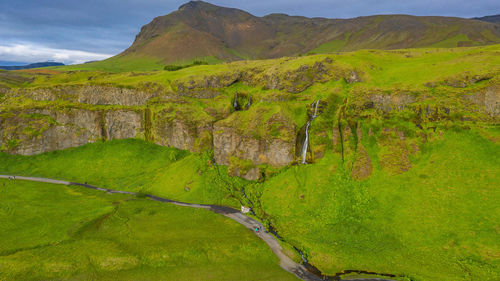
x: 402, y: 156
x: 131, y: 165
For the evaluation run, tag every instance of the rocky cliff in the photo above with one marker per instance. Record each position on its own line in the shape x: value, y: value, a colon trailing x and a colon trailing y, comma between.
x: 254, y: 117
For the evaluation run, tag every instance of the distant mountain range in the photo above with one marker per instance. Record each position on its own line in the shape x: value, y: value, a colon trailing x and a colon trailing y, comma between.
x: 10, y: 63
x: 199, y: 30
x: 29, y: 66
x: 493, y: 18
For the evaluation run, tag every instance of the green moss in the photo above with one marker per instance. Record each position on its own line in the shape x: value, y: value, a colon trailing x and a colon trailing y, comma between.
x: 262, y: 121
x: 436, y: 179
x: 242, y: 166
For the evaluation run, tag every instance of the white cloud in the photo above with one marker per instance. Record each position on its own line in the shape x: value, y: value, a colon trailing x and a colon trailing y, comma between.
x: 38, y: 53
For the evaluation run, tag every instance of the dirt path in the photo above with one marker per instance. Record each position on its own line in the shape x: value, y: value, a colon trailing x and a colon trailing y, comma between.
x: 285, y: 262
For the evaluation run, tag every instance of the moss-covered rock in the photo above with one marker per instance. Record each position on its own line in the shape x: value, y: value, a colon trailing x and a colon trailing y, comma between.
x: 90, y: 94
x: 394, y: 155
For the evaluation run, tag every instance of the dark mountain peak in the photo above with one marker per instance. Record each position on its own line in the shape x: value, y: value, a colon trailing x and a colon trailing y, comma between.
x: 199, y: 5
x: 204, y: 7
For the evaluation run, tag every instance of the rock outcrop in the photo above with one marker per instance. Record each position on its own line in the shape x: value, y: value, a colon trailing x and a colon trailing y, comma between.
x: 89, y: 94
x: 36, y: 131
x: 294, y: 80
x: 228, y: 142
x: 181, y: 134
x: 262, y: 136
x: 487, y: 100
x: 123, y: 124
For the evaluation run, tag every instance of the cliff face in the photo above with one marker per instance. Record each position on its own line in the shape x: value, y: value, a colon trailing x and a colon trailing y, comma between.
x: 231, y: 146
x: 174, y: 123
x: 36, y: 131
x: 87, y: 94
x: 256, y: 118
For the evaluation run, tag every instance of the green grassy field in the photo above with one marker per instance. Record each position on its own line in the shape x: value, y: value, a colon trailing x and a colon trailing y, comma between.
x: 54, y: 232
x: 131, y: 165
x: 408, y: 67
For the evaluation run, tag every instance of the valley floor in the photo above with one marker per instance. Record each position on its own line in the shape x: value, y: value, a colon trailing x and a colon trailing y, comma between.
x: 72, y: 233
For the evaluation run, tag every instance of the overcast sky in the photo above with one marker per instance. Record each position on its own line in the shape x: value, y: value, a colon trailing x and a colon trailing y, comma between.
x: 75, y: 31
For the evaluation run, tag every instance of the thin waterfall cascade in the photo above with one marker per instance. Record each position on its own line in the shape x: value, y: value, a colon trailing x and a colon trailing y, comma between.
x: 314, y: 108
x: 306, y: 143
x: 249, y: 103
x: 236, y: 105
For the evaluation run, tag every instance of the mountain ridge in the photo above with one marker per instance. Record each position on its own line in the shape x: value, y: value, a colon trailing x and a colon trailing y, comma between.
x: 31, y: 65
x: 200, y: 30
x: 491, y: 18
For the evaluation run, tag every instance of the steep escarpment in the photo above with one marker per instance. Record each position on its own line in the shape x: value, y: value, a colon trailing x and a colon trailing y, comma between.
x: 261, y: 135
x: 259, y: 116
x: 33, y: 131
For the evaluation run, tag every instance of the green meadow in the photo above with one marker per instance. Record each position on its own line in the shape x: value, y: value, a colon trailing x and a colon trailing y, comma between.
x: 408, y: 67
x: 130, y: 165
x: 55, y: 232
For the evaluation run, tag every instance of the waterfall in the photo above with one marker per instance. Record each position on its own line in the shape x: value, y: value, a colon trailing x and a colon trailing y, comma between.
x: 236, y: 106
x: 315, y: 110
x: 306, y: 143
x: 308, y: 124
x: 249, y: 102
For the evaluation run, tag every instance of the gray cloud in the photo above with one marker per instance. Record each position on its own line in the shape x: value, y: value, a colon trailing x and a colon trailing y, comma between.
x: 109, y: 26
x: 29, y: 52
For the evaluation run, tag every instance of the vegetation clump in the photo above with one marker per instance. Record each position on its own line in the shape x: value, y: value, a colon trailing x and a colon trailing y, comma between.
x: 178, y: 67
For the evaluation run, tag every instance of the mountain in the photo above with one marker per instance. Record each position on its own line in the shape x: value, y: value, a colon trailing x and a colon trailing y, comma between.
x: 493, y: 18
x: 29, y: 66
x: 12, y: 63
x: 199, y: 30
